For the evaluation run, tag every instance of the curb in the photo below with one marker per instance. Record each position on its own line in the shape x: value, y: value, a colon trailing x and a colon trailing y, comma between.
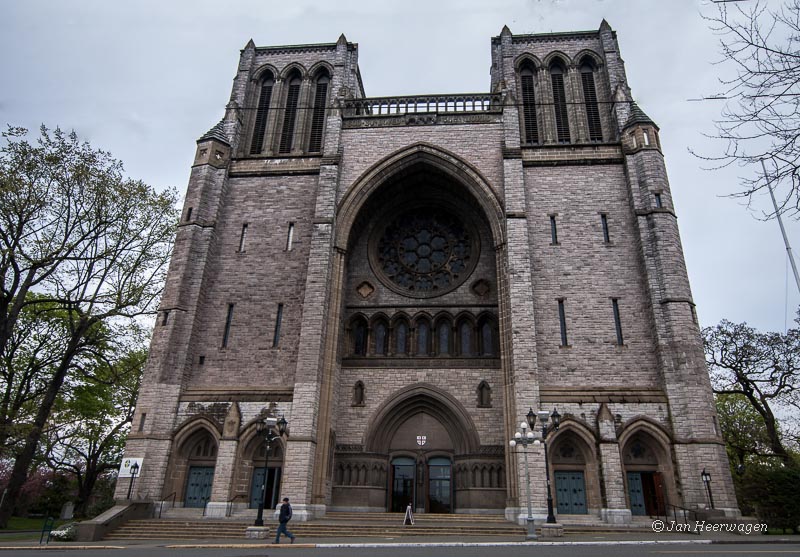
x: 58, y: 547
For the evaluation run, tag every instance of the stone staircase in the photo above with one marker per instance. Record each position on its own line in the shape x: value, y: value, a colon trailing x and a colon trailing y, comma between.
x: 188, y: 524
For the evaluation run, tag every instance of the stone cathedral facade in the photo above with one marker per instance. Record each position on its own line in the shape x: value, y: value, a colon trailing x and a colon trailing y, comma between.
x: 403, y: 278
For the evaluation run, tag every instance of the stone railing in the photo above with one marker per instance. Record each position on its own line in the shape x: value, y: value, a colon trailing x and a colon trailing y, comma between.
x: 424, y: 104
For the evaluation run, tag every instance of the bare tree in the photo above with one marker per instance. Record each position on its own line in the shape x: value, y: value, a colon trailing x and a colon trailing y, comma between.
x: 91, y: 243
x: 764, y: 368
x: 761, y: 117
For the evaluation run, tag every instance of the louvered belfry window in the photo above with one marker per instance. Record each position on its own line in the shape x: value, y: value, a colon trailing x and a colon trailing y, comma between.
x: 318, y: 116
x: 529, y: 105
x: 560, y: 103
x: 590, y: 100
x: 290, y: 116
x: 262, y: 115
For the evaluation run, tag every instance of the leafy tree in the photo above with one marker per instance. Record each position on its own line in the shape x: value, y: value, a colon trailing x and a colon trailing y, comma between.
x: 761, y: 117
x: 771, y: 493
x: 89, y: 423
x: 762, y: 368
x: 743, y: 430
x: 91, y: 243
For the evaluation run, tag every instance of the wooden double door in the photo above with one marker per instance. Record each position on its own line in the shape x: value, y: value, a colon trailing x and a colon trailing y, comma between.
x: 570, y: 492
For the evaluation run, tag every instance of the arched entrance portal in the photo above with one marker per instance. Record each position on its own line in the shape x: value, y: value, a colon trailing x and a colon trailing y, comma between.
x: 648, y: 474
x: 193, y: 466
x: 421, y: 466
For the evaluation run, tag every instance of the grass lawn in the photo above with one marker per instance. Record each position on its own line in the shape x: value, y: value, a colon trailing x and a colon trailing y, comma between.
x: 24, y: 528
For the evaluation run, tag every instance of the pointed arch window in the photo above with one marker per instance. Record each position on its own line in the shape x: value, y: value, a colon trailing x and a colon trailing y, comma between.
x: 380, y: 332
x: 262, y: 114
x: 359, y: 337
x: 557, y: 72
x: 443, y: 339
x: 465, y: 338
x: 484, y: 395
x: 401, y: 338
x: 487, y: 338
x: 318, y: 114
x: 530, y: 125
x: 290, y: 114
x: 590, y: 101
x: 423, y: 338
x: 358, y: 394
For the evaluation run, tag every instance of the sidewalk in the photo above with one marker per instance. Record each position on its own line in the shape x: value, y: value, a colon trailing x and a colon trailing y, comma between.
x: 416, y: 541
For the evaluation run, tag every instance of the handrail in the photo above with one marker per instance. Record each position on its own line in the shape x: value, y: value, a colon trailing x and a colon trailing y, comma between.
x: 174, y: 494
x: 229, y: 508
x: 678, y: 511
x: 437, y: 104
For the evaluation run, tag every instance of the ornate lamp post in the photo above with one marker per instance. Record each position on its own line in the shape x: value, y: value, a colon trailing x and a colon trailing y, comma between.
x: 707, y: 481
x: 266, y: 427
x: 134, y: 469
x: 556, y: 418
x: 524, y: 437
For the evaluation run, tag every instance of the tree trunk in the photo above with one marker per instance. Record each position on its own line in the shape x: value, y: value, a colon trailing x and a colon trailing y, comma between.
x: 22, y: 464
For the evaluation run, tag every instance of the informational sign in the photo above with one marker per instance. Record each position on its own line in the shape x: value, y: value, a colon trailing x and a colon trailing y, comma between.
x: 408, y: 520
x: 125, y: 468
x: 422, y: 439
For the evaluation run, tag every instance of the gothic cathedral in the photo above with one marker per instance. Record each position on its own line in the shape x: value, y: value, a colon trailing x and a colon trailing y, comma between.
x: 404, y: 278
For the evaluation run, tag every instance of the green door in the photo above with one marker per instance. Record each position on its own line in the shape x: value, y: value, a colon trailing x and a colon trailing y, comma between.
x: 570, y: 492
x: 198, y: 486
x: 636, y: 494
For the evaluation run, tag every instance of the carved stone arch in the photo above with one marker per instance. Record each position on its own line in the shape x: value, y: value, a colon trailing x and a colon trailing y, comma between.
x: 557, y: 57
x: 484, y: 394
x: 263, y: 71
x: 190, y: 426
x: 357, y: 341
x: 320, y: 68
x: 587, y: 440
x: 443, y: 327
x: 464, y: 324
x: 293, y: 68
x: 401, y: 161
x: 379, y: 334
x: 418, y: 398
x: 644, y: 423
x: 526, y: 58
x: 595, y: 59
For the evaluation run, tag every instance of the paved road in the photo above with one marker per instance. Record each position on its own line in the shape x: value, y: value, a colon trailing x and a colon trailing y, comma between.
x: 616, y: 550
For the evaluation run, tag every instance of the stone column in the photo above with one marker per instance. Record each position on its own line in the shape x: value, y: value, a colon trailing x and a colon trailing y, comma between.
x: 615, y: 507
x: 226, y: 463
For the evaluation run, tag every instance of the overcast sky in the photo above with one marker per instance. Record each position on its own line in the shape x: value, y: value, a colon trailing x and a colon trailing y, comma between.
x: 144, y: 79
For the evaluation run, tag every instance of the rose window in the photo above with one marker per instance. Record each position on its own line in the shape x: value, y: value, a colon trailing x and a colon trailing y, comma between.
x: 425, y: 252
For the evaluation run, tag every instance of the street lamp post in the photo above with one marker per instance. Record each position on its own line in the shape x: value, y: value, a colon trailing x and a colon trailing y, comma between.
x: 707, y: 481
x: 556, y: 418
x: 524, y: 437
x: 134, y: 469
x: 266, y: 427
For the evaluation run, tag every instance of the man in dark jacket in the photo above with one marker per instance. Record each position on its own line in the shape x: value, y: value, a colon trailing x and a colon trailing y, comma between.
x: 284, y: 517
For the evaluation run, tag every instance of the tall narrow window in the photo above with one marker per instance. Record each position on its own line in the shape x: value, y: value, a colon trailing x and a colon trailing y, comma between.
x: 617, y: 322
x: 590, y: 102
x: 228, y: 320
x: 290, y: 115
x: 358, y: 394
x: 560, y: 102
x: 318, y: 114
x: 529, y: 104
x: 562, y: 318
x: 290, y: 237
x: 659, y: 204
x: 465, y: 338
x: 646, y: 137
x: 360, y: 338
x: 484, y: 395
x: 165, y: 318
x: 487, y: 339
x: 423, y: 334
x: 189, y: 214
x: 243, y: 237
x: 142, y: 419
x: 443, y: 337
x: 380, y: 338
x: 401, y: 338
x: 553, y: 230
x: 604, y: 222
x: 262, y: 115
x: 276, y: 337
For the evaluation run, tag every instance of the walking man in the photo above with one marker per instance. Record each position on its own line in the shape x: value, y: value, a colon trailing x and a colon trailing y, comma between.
x: 284, y: 517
